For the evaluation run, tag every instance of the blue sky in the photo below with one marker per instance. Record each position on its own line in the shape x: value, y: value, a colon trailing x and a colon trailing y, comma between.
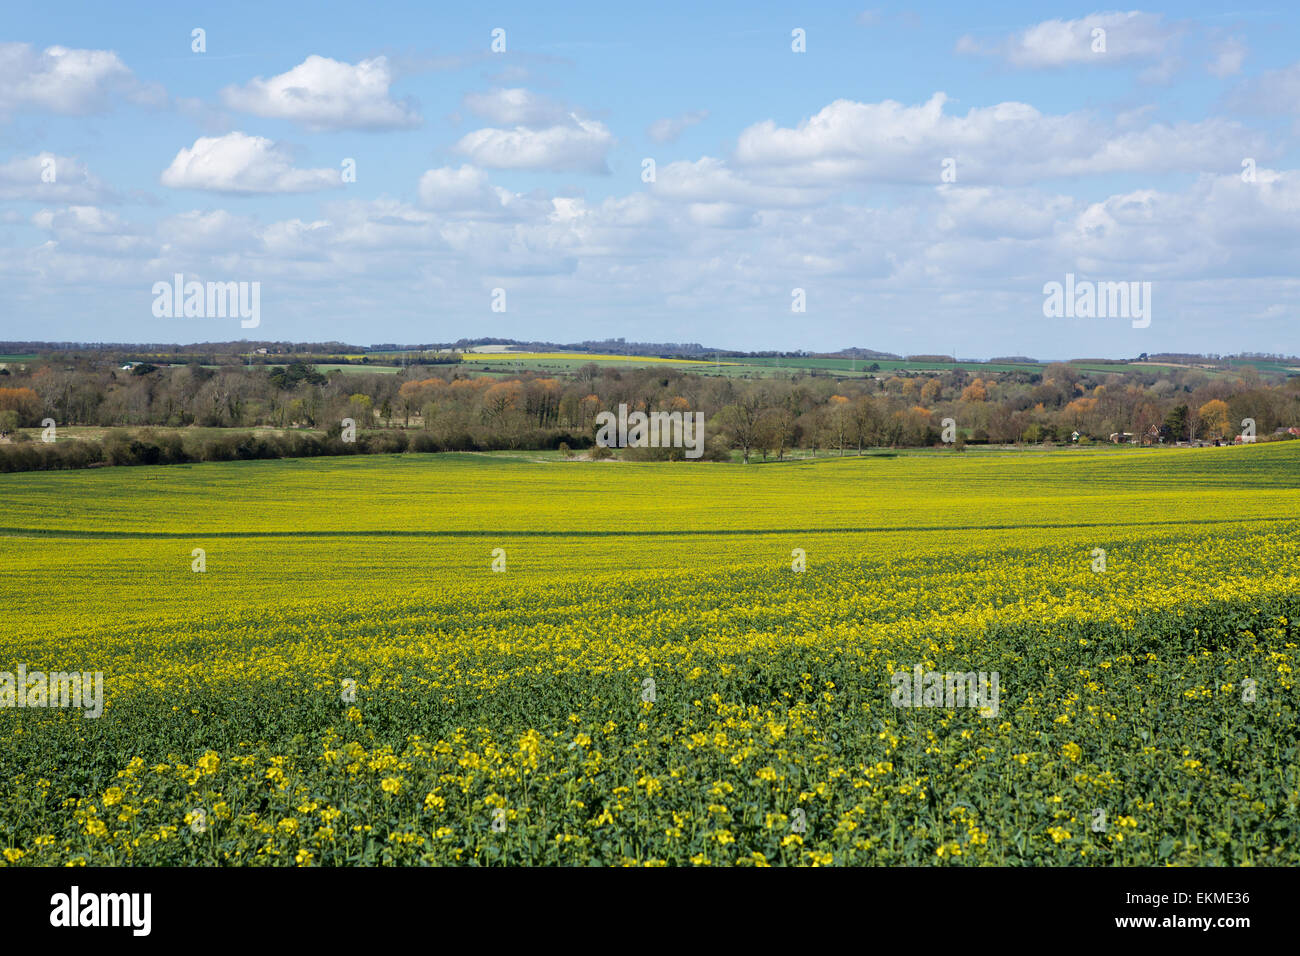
x: 774, y: 170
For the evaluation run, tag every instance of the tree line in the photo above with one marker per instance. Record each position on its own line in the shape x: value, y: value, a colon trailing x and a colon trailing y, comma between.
x: 184, y: 412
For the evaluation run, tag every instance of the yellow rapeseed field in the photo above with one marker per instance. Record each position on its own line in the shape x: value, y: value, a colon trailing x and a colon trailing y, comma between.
x: 315, y: 663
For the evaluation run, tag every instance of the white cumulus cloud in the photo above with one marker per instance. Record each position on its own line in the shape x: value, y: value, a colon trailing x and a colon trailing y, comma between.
x: 516, y: 107
x: 579, y: 145
x: 1127, y: 36
x: 1004, y: 143
x: 321, y: 93
x: 66, y: 81
x: 239, y: 163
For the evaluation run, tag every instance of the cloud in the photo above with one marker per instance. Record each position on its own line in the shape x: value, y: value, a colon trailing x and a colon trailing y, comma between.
x: 1056, y: 43
x: 321, y: 93
x: 721, y: 215
x: 962, y: 255
x: 65, y: 81
x: 849, y: 141
x: 78, y: 218
x: 1275, y: 91
x: 465, y: 193
x: 667, y: 130
x: 1220, y: 226
x: 89, y: 230
x: 239, y: 163
x: 544, y: 134
x: 298, y: 241
x: 1228, y: 57
x: 708, y: 181
x: 30, y: 178
x: 999, y: 213
x: 580, y: 145
x: 211, y: 231
x: 516, y: 107
x: 463, y: 188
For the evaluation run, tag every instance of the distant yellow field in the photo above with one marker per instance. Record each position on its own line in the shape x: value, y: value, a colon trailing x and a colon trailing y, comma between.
x: 579, y: 356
